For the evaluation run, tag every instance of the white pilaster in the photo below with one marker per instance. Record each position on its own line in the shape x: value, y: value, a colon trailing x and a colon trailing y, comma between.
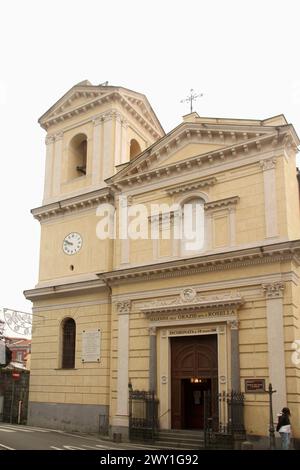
x: 96, y: 165
x: 232, y: 226
x: 123, y: 230
x: 124, y: 156
x: 57, y: 164
x: 275, y: 334
x: 154, y: 221
x: 48, y: 166
x: 208, y: 230
x: 269, y: 174
x: 108, y: 157
x: 118, y: 143
x: 123, y: 361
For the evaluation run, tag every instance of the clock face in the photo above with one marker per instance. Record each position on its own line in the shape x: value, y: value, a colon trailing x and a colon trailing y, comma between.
x: 72, y: 243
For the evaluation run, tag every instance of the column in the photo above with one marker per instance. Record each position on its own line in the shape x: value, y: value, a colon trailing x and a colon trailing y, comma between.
x: 96, y: 164
x: 275, y: 335
x: 123, y: 309
x: 235, y: 355
x: 57, y: 164
x: 48, y: 166
x: 269, y: 173
x: 153, y: 361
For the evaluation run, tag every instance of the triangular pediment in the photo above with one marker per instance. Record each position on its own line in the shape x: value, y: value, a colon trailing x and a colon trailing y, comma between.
x: 192, y: 140
x: 84, y: 95
x: 187, y: 150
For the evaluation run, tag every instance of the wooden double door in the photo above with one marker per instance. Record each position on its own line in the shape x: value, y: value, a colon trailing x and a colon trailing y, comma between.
x: 194, y: 370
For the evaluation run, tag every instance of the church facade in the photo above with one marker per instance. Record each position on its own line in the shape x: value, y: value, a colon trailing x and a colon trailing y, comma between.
x: 144, y: 305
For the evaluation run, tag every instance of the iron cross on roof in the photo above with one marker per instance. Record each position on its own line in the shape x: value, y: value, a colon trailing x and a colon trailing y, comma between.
x: 192, y: 97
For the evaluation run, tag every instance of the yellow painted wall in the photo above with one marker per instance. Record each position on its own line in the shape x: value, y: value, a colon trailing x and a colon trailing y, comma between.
x: 87, y: 383
x: 95, y: 255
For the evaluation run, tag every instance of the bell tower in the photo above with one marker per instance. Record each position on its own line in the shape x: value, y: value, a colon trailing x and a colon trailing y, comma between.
x: 92, y: 130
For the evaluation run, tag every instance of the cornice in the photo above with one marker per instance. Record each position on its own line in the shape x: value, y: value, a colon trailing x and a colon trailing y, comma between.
x: 41, y: 293
x: 94, y: 99
x: 191, y: 186
x: 143, y: 173
x: 215, y: 262
x: 73, y: 204
x: 199, y: 302
x: 226, y: 202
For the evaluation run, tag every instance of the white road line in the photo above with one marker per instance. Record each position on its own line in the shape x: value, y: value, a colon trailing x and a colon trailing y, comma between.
x: 6, y: 430
x: 6, y: 447
x: 13, y: 429
x: 56, y: 448
x: 97, y: 446
x: 73, y: 448
x: 18, y: 427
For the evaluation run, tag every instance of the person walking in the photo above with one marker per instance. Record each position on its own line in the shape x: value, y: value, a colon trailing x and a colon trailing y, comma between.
x: 284, y: 428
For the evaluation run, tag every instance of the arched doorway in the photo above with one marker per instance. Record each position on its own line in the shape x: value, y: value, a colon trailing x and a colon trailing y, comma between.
x: 194, y: 370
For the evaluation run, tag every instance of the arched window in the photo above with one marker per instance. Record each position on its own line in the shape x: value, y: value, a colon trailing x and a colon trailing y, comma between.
x: 135, y: 148
x: 192, y: 226
x: 77, y: 156
x: 68, y: 343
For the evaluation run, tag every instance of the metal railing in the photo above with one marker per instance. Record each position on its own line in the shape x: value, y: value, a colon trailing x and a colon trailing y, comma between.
x: 143, y: 415
x: 225, y: 429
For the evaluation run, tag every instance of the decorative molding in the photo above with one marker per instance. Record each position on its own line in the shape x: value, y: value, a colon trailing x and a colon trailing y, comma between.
x: 124, y: 307
x: 199, y: 302
x: 273, y: 290
x: 233, y: 324
x: 188, y: 294
x: 49, y: 139
x: 74, y: 288
x: 268, y: 164
x: 145, y: 169
x: 58, y: 136
x: 220, y: 203
x: 249, y: 287
x: 98, y: 98
x: 97, y: 120
x: 152, y: 331
x: 72, y: 205
x: 273, y: 253
x: 191, y: 186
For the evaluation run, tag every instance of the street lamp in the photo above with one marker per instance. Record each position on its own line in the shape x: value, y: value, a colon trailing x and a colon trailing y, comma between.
x: 270, y: 391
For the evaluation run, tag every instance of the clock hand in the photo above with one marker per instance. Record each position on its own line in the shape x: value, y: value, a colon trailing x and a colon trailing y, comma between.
x: 68, y: 243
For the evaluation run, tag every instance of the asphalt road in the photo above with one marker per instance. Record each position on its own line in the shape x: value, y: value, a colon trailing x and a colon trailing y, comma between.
x: 17, y: 437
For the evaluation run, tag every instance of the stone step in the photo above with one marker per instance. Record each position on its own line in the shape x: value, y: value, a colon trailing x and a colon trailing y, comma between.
x: 181, y: 438
x: 182, y: 432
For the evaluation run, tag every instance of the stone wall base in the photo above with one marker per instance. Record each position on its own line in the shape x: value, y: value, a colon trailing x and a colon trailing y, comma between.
x: 67, y: 416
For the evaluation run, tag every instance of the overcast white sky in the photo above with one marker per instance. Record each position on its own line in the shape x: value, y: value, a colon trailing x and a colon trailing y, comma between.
x: 243, y: 55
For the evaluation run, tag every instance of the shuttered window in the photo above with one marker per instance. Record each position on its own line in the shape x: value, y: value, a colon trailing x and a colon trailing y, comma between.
x: 68, y: 343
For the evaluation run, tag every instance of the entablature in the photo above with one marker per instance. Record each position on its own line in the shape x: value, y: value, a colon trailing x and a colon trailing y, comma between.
x: 73, y: 205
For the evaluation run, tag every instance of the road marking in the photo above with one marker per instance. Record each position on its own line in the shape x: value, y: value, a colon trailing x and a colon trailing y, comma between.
x: 6, y: 430
x: 96, y: 446
x: 56, y: 448
x: 73, y: 448
x: 18, y: 427
x: 6, y: 447
x: 13, y: 429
